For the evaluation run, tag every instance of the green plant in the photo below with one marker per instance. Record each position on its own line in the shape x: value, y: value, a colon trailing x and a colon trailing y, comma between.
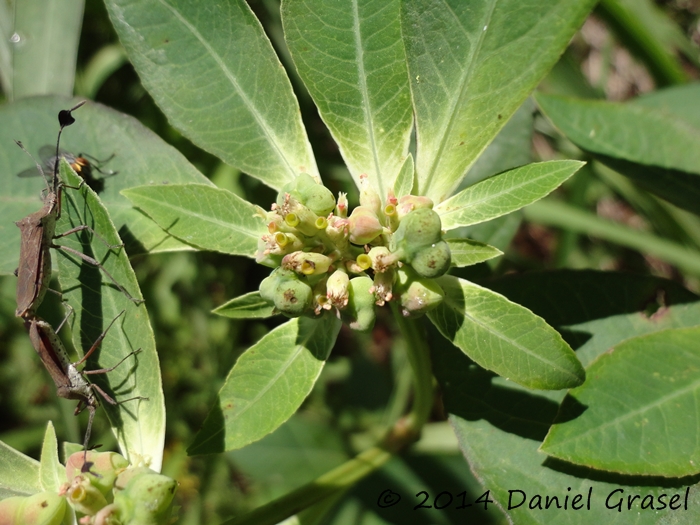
x: 401, y: 241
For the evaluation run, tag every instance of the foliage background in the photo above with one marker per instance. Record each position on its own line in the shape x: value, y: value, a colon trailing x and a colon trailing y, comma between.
x: 366, y: 380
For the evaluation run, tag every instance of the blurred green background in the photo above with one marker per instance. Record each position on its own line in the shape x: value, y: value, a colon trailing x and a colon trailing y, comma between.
x: 367, y: 381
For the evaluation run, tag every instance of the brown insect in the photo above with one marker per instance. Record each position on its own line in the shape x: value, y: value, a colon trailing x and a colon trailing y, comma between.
x: 38, y: 230
x: 69, y: 380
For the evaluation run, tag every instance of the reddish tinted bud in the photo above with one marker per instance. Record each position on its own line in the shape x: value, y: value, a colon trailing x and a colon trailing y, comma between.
x: 364, y: 225
x: 408, y: 203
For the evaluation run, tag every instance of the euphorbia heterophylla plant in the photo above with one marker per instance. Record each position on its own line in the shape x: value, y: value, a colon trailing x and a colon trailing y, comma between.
x: 375, y: 70
x: 450, y: 73
x: 332, y: 264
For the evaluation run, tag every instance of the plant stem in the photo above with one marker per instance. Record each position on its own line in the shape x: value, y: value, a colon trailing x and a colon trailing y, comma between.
x: 419, y: 358
x: 339, y: 479
x: 563, y: 215
x: 404, y: 432
x: 663, y: 65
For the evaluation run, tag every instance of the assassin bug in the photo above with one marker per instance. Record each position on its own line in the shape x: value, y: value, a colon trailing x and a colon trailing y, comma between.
x: 71, y: 382
x: 38, y: 230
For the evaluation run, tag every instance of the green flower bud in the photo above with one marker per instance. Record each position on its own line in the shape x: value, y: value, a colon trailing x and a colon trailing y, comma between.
x: 368, y: 197
x: 409, y: 203
x: 307, y: 263
x: 315, y: 196
x: 145, y: 497
x: 264, y: 254
x: 301, y: 218
x: 383, y: 285
x: 359, y: 313
x: 341, y: 209
x: 126, y: 476
x: 432, y: 261
x: 108, y: 515
x: 293, y: 297
x: 381, y: 258
x: 417, y: 295
x: 285, y: 289
x: 305, y: 189
x: 44, y: 508
x: 337, y: 289
x: 84, y: 496
x: 106, y: 466
x: 391, y: 215
x: 337, y: 232
x: 268, y: 286
x: 418, y: 229
x: 364, y: 225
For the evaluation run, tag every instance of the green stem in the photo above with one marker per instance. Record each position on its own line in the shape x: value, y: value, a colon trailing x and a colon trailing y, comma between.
x: 404, y: 432
x: 563, y: 215
x: 630, y: 27
x: 327, y: 485
x: 419, y: 358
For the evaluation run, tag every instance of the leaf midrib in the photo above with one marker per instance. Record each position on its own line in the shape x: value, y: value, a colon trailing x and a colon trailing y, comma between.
x: 267, y: 131
x: 464, y: 83
x: 465, y: 207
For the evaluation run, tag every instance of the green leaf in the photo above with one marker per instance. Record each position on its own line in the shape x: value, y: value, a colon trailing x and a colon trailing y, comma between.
x: 505, y: 337
x: 267, y: 384
x: 675, y: 103
x: 51, y: 472
x: 637, y: 413
x: 351, y: 58
x: 675, y: 186
x: 511, y: 148
x: 248, y: 306
x: 140, y: 157
x: 6, y: 30
x: 42, y: 62
x: 466, y: 252
x: 661, y: 133
x: 498, y: 233
x: 213, y: 72
x: 596, y: 310
x: 404, y: 180
x: 471, y: 66
x: 297, y: 452
x: 19, y: 474
x: 505, y: 193
x: 508, y: 460
x: 500, y: 425
x: 693, y: 506
x: 139, y: 425
x: 203, y: 216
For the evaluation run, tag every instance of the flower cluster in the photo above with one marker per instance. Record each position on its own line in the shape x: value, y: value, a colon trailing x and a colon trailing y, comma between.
x: 327, y: 259
x: 110, y: 493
